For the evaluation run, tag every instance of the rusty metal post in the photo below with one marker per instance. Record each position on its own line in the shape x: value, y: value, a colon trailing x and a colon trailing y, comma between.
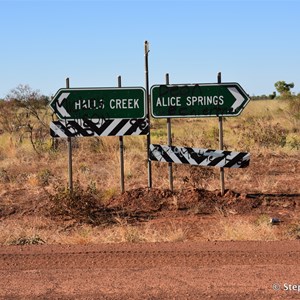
x: 148, y: 113
x: 70, y: 164
x: 221, y: 145
x: 169, y: 130
x: 121, y: 142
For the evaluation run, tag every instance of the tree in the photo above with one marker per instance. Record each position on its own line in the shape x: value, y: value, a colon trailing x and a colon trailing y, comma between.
x: 284, y: 88
x: 25, y: 114
x: 272, y: 96
x: 25, y: 96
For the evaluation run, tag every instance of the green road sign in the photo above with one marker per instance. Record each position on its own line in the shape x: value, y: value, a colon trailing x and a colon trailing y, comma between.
x: 197, y: 100
x: 100, y: 103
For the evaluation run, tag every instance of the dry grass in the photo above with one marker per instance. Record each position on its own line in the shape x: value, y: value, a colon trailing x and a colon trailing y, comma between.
x: 244, y: 230
x: 27, y: 228
x: 46, y: 231
x: 147, y: 233
x: 237, y: 228
x: 233, y: 228
x: 265, y: 128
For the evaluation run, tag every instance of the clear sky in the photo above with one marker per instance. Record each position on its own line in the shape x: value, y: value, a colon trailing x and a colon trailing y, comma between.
x: 254, y: 43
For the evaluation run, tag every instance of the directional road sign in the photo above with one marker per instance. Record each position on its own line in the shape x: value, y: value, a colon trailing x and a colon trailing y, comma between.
x: 198, y: 100
x: 100, y: 103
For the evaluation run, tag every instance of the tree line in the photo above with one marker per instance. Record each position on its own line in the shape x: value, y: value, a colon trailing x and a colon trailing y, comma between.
x: 284, y: 90
x: 25, y: 113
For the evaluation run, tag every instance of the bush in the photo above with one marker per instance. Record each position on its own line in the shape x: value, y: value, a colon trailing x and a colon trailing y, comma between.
x: 263, y: 133
x: 35, y: 240
x: 81, y: 204
x: 294, y: 107
x: 293, y: 141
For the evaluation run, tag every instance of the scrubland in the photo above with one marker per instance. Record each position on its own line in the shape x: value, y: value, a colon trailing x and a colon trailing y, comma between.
x: 36, y: 206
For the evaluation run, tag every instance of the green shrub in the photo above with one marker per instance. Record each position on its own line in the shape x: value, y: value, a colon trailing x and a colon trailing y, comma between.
x: 35, y: 240
x: 293, y: 141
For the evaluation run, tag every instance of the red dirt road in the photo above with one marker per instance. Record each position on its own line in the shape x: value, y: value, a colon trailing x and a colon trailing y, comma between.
x: 206, y: 270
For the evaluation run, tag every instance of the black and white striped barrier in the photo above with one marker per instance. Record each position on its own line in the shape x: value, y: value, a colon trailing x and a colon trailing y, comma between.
x: 199, y: 157
x: 98, y: 127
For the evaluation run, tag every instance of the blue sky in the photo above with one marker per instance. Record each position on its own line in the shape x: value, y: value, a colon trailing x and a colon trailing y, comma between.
x: 254, y: 43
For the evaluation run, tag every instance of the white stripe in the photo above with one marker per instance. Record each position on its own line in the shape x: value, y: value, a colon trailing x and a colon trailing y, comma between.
x: 60, y: 108
x: 221, y: 163
x: 205, y: 152
x: 111, y: 127
x: 238, y: 97
x: 187, y: 156
x: 137, y: 132
x: 205, y: 162
x: 173, y: 156
x: 244, y: 159
x: 124, y: 129
x: 210, y: 156
x: 226, y: 159
x: 57, y: 130
x: 156, y: 153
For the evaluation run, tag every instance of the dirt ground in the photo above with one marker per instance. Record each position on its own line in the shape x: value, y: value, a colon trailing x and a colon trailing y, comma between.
x: 205, y: 270
x: 199, y: 267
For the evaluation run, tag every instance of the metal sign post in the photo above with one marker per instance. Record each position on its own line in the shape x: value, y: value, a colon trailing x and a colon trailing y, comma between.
x: 169, y: 130
x: 148, y: 113
x: 121, y: 151
x: 221, y: 145
x: 70, y: 165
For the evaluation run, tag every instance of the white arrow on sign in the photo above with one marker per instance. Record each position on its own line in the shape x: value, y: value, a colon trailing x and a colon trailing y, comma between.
x: 239, y: 99
x: 59, y: 106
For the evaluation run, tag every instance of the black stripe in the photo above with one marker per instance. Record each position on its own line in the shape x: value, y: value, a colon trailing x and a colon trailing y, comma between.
x: 138, y: 125
x: 62, y: 128
x: 206, y: 156
x: 198, y: 158
x: 178, y: 155
x: 216, y: 160
x: 227, y: 152
x: 53, y: 133
x: 238, y: 159
x: 65, y: 129
x: 118, y: 127
x: 164, y: 154
x: 133, y: 128
x: 245, y: 163
x: 79, y: 131
x: 89, y: 128
x: 95, y: 128
x: 151, y: 155
x: 135, y: 125
x: 145, y: 131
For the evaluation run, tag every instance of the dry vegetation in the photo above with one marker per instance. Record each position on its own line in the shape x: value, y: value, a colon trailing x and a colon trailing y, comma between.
x: 35, y: 206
